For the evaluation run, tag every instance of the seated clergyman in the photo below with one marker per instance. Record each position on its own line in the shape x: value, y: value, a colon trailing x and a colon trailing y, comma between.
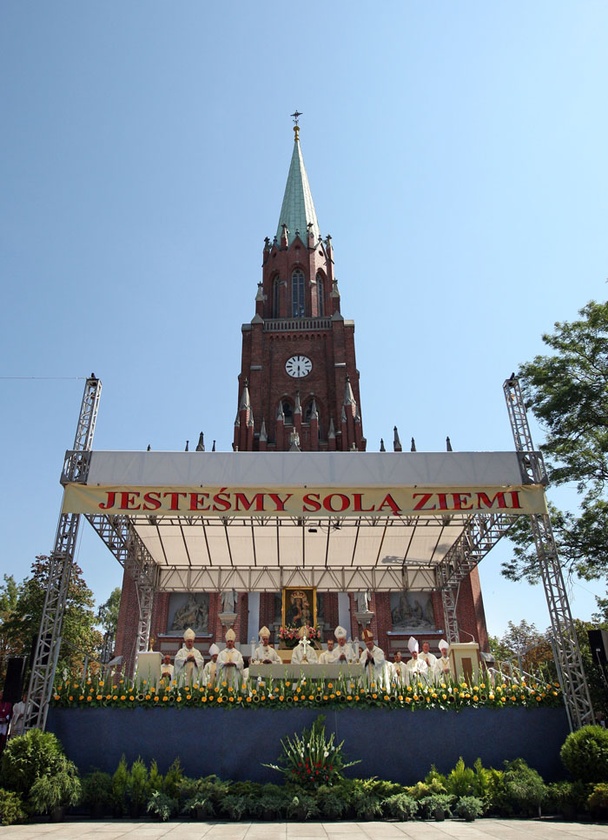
x: 304, y: 653
x: 265, y: 654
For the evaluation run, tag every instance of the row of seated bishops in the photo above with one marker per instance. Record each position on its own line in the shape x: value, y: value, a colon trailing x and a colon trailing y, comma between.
x: 228, y: 664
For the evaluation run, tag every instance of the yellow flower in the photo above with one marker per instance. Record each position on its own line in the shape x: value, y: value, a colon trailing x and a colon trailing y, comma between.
x: 475, y: 698
x: 375, y: 696
x: 81, y: 697
x: 165, y: 699
x: 156, y: 699
x: 349, y: 697
x: 99, y: 697
x: 311, y: 697
x: 179, y: 699
x: 325, y: 697
x: 56, y: 697
x: 131, y: 698
x: 231, y: 699
x: 338, y: 693
x: 249, y: 699
x: 386, y: 697
x: 281, y: 698
x: 188, y: 697
x: 330, y: 685
x: 203, y: 699
x: 147, y: 696
x: 407, y: 699
x: 219, y: 699
x: 224, y: 684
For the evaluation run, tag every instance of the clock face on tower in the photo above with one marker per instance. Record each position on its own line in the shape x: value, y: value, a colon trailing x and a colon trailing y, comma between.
x: 298, y: 366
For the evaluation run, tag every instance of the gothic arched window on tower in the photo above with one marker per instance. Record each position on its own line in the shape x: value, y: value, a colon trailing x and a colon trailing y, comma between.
x: 287, y: 412
x: 297, y: 294
x: 276, y: 297
x: 320, y: 295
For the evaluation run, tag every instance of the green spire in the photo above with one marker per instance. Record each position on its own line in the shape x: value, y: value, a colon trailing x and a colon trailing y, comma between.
x: 298, y: 209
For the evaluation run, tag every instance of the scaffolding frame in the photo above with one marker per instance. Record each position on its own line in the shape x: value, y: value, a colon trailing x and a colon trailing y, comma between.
x: 61, y: 563
x: 566, y: 649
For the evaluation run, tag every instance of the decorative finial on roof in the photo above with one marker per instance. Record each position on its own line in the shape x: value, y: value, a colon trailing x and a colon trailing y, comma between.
x: 296, y: 127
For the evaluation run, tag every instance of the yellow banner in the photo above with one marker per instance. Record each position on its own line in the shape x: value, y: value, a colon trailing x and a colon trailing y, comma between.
x: 304, y: 501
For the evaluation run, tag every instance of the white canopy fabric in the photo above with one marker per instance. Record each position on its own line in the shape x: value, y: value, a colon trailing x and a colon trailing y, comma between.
x: 261, y: 521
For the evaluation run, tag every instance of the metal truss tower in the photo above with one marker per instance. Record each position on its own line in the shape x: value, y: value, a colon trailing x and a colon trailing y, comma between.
x: 567, y: 652
x: 75, y: 469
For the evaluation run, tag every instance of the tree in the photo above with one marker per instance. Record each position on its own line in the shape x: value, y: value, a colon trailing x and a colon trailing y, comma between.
x: 107, y: 614
x: 80, y: 638
x: 567, y: 392
x: 9, y: 597
x: 525, y: 648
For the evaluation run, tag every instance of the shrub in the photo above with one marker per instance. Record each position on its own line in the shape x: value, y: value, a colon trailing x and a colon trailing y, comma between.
x: 567, y: 799
x: 585, y: 754
x: 11, y: 808
x: 469, y: 808
x: 161, y: 805
x: 598, y: 801
x: 120, y: 788
x: 523, y: 790
x: 302, y: 806
x: 58, y: 789
x: 437, y: 806
x: 97, y: 792
x: 27, y: 758
x: 461, y: 781
x: 333, y: 800
x: 138, y: 787
x: 173, y: 778
x: 400, y: 806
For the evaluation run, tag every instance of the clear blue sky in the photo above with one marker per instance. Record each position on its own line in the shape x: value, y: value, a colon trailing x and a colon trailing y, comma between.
x: 456, y: 154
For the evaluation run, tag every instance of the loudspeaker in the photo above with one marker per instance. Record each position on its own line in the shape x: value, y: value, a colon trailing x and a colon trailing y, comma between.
x: 598, y: 640
x: 13, y: 684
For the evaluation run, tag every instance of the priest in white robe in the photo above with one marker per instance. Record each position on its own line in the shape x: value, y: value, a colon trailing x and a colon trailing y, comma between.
x: 210, y: 670
x: 189, y: 661
x: 264, y: 653
x: 416, y: 669
x: 343, y: 652
x: 303, y: 653
x: 443, y: 666
x: 230, y: 663
x: 372, y: 659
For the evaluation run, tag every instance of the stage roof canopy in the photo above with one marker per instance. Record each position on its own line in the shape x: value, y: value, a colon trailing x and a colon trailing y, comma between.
x: 260, y: 521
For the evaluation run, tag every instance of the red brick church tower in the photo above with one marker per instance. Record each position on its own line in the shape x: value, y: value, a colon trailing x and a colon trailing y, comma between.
x: 299, y: 383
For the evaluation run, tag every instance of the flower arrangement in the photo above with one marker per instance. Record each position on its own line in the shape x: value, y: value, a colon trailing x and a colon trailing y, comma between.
x: 290, y: 634
x: 96, y: 690
x: 311, y: 759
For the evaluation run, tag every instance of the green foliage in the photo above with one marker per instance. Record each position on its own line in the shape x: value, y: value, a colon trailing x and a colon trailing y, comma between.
x: 138, y: 787
x: 567, y: 392
x: 598, y: 800
x: 366, y: 799
x: 333, y: 800
x: 97, y: 791
x: 120, y: 788
x: 434, y: 784
x: 27, y: 758
x: 400, y: 806
x: 107, y: 613
x: 461, y: 781
x: 80, y: 638
x: 437, y: 806
x: 311, y: 759
x: 469, y: 808
x: 162, y: 806
x: 303, y: 806
x: 155, y: 779
x: 11, y: 808
x: 173, y: 779
x: 522, y: 791
x: 272, y: 803
x: 58, y: 789
x: 585, y: 754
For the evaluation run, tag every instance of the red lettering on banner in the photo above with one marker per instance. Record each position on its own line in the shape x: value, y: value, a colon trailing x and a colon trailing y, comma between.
x: 311, y: 502
x: 241, y: 499
x: 344, y: 502
x: 421, y: 505
x: 174, y: 499
x: 152, y: 501
x: 460, y: 501
x: 128, y: 499
x: 110, y: 501
x: 389, y: 502
x: 221, y: 500
x: 279, y: 502
x: 358, y: 504
x: 199, y: 501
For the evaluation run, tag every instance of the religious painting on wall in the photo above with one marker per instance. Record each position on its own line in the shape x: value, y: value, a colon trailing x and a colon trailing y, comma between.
x: 299, y: 606
x: 188, y: 610
x: 412, y: 611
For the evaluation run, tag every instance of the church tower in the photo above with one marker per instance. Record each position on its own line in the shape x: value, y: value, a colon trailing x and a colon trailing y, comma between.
x: 299, y: 383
